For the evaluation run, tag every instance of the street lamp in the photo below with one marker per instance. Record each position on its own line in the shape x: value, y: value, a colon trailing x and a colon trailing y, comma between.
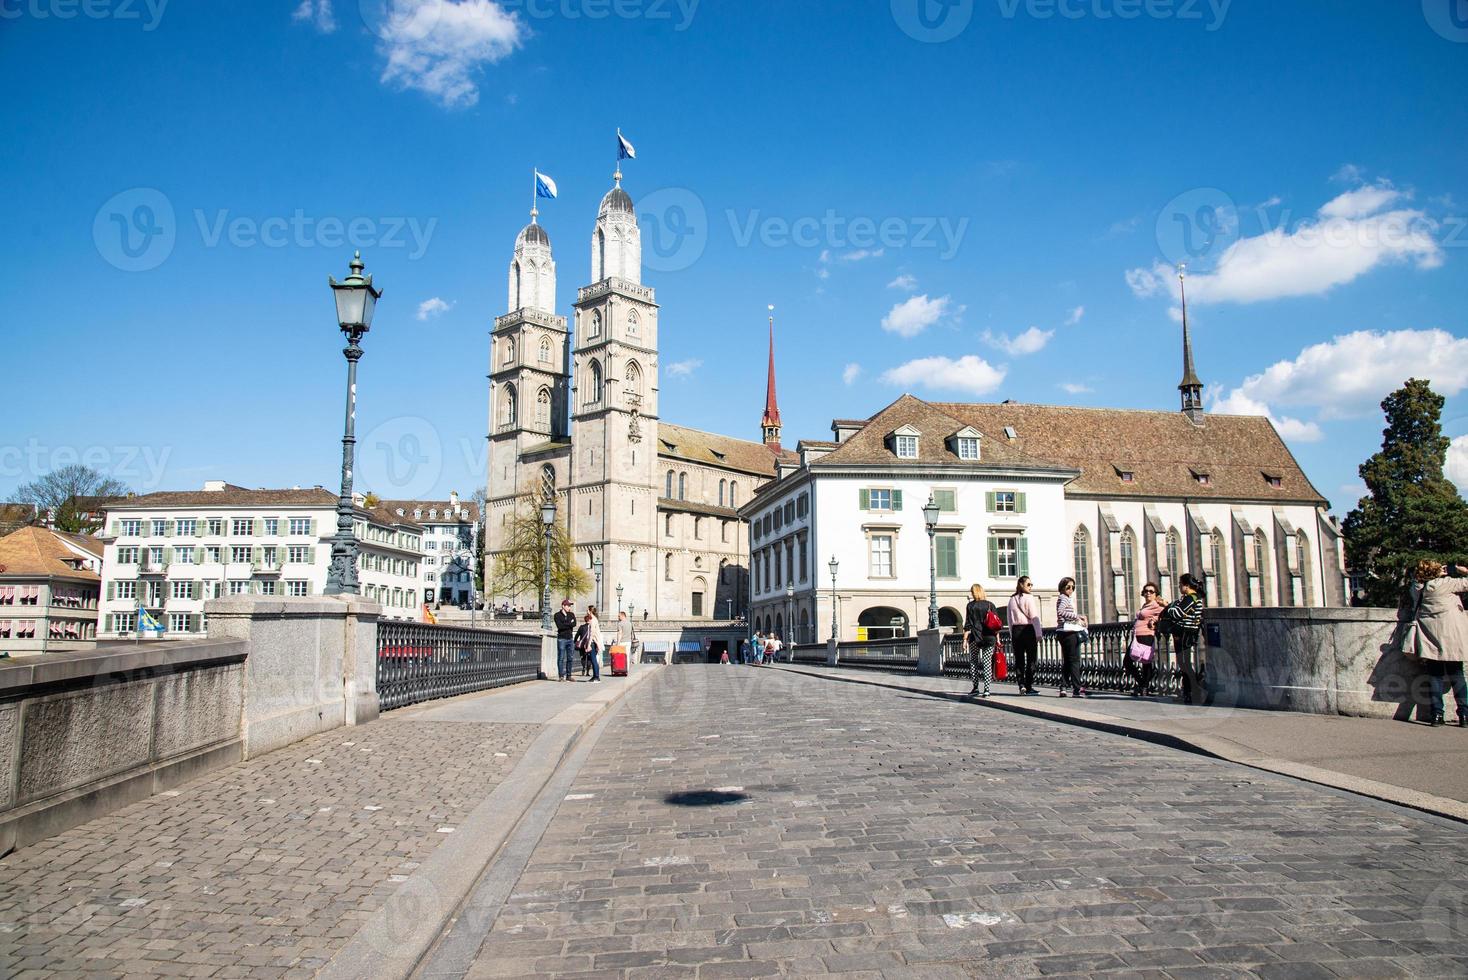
x: 619, y: 597
x: 356, y: 300
x: 930, y: 517
x: 789, y: 615
x: 833, y: 566
x: 548, y: 518
x: 596, y: 570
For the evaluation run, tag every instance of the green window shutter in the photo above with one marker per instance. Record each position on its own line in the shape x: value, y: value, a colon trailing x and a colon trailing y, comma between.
x: 947, y: 560
x: 1024, y: 554
x: 313, y: 527
x: 310, y: 556
x: 896, y: 499
x: 989, y: 501
x: 111, y: 590
x: 944, y: 499
x: 116, y: 528
x: 1019, y: 503
x: 993, y: 556
x: 865, y: 498
x: 198, y: 556
x: 167, y: 556
x: 259, y: 526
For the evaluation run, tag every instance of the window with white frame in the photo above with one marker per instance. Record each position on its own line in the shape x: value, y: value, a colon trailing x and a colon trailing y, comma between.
x: 239, y: 587
x: 300, y: 525
x: 127, y: 555
x: 184, y: 556
x: 1005, y: 502
x: 879, y: 547
x: 907, y: 447
x: 187, y: 527
x: 241, y: 553
x: 178, y: 622
x: 880, y: 499
x: 1006, y: 549
x: 183, y: 589
x: 267, y: 587
x: 160, y: 527
x: 272, y: 526
x: 968, y: 448
x: 297, y: 587
x: 212, y: 554
x: 131, y: 528
x: 242, y: 527
x: 216, y: 525
x: 127, y: 590
x: 124, y: 622
x: 155, y: 555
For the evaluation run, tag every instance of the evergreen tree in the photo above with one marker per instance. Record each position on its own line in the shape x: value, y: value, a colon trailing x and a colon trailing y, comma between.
x: 1412, y: 511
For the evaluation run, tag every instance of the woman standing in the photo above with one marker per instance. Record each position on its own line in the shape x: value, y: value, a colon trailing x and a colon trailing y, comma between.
x: 1442, y: 638
x: 1141, y: 659
x: 1183, y: 618
x: 593, y: 643
x: 981, y: 628
x: 1024, y: 633
x: 1071, y: 624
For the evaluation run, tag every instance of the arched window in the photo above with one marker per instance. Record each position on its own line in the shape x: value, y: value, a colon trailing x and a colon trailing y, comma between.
x: 547, y: 481
x: 595, y: 329
x: 632, y: 561
x: 723, y: 487
x: 1302, y: 558
x: 1218, y: 581
x: 594, y: 396
x: 1261, y: 564
x: 682, y: 486
x: 697, y: 527
x: 668, y: 489
x: 633, y: 327
x: 1129, y: 568
x: 733, y: 494
x: 634, y: 378
x: 545, y: 350
x: 1174, y: 564
x: 543, y: 408
x: 509, y: 407
x: 667, y: 568
x: 601, y: 254
x: 515, y: 302
x: 1081, y: 545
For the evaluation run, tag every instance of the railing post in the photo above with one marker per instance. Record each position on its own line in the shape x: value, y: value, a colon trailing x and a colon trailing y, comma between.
x: 833, y: 655
x: 930, y: 652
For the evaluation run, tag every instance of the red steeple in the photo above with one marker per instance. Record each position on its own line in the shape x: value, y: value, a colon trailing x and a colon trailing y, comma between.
x: 770, y: 424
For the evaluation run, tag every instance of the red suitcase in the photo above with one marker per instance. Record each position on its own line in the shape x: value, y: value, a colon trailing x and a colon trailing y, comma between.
x: 619, y: 661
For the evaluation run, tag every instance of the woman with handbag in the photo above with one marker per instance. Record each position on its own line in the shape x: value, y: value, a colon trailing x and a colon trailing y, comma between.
x: 1441, y: 639
x: 593, y: 643
x: 981, y: 628
x: 1072, y: 628
x: 1140, y: 661
x: 1024, y: 633
x: 1183, y: 621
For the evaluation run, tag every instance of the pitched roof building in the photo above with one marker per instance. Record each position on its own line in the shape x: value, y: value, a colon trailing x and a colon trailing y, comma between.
x: 49, y: 587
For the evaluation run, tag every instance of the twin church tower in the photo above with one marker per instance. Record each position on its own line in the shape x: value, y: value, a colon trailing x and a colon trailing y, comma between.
x: 574, y: 414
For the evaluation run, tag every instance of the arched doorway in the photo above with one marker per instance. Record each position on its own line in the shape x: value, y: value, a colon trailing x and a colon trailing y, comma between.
x: 804, y: 636
x: 950, y: 618
x: 881, y: 623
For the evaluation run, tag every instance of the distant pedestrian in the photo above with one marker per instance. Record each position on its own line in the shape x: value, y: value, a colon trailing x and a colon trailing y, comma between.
x: 776, y: 645
x: 1024, y: 633
x: 1141, y: 655
x: 1183, y: 621
x: 593, y: 643
x: 1071, y: 626
x: 756, y: 648
x: 1442, y: 633
x: 565, y: 641
x: 981, y: 628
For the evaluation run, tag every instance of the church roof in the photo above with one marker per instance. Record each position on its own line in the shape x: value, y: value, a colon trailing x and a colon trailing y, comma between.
x: 617, y: 200
x: 694, y: 446
x: 533, y: 233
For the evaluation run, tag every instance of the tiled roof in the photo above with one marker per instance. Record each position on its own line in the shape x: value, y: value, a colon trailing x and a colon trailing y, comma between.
x: 694, y: 507
x: 1164, y: 451
x: 445, y: 510
x: 871, y: 446
x: 91, y: 544
x: 680, y: 442
x: 233, y: 496
x: 37, y: 551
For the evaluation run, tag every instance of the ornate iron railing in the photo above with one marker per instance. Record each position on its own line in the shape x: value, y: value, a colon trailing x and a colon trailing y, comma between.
x: 417, y: 662
x: 1103, y: 659
x: 895, y: 654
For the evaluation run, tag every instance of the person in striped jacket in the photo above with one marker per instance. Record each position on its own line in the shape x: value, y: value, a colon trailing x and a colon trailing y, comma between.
x: 1183, y: 620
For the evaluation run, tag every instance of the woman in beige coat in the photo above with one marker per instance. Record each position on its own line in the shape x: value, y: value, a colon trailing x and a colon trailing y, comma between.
x: 1442, y: 638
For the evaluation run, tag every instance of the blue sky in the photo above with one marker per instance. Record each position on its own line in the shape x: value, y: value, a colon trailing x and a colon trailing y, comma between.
x: 992, y: 214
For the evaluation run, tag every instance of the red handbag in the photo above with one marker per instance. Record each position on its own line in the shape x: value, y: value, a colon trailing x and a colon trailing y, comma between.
x: 1001, y: 664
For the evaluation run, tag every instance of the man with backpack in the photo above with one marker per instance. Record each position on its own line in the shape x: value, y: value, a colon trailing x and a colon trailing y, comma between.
x: 1182, y: 620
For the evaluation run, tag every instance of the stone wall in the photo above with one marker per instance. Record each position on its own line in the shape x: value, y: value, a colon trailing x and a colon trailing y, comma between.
x: 1323, y: 661
x: 85, y: 733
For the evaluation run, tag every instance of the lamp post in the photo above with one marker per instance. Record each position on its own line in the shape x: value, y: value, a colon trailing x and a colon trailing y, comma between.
x: 356, y: 299
x: 833, y: 566
x: 619, y: 598
x: 789, y: 615
x: 596, y: 570
x: 548, y: 518
x: 930, y: 517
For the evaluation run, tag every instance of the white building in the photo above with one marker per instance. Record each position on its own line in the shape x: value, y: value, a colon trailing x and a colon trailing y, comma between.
x: 171, y: 551
x: 1112, y: 498
x: 450, y: 544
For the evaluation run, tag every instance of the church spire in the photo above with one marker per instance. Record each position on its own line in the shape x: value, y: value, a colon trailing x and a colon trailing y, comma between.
x: 1191, y: 387
x: 770, y: 424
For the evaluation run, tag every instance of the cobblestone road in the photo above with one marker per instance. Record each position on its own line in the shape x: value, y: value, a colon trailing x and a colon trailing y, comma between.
x: 872, y: 832
x: 263, y: 869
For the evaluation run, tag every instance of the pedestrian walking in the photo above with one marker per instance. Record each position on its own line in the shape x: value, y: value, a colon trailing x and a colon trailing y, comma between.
x: 981, y: 628
x: 1141, y: 659
x: 1071, y: 630
x: 593, y: 643
x: 1024, y: 633
x: 1183, y: 621
x: 757, y: 649
x: 565, y: 641
x: 1433, y: 603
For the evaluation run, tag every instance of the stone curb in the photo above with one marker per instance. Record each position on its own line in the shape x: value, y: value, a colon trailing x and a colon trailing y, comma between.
x: 393, y: 941
x: 1212, y: 746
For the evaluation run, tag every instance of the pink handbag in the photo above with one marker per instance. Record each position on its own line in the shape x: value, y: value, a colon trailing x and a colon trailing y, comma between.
x: 1140, y: 652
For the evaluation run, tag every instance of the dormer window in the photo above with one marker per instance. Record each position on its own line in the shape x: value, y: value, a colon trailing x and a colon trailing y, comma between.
x: 1202, y: 479
x: 1126, y: 476
x: 907, y: 447
x: 1009, y: 433
x: 1275, y: 481
x: 968, y: 449
x: 965, y: 444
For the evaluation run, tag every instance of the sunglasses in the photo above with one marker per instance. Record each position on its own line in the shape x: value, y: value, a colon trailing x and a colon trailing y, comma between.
x: 1149, y: 592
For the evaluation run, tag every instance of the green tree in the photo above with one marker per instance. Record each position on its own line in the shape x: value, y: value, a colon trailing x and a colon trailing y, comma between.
x: 518, y: 570
x: 1412, y: 511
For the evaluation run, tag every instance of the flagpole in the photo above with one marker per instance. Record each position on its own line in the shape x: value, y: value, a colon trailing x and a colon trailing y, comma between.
x: 617, y: 176
x: 534, y: 194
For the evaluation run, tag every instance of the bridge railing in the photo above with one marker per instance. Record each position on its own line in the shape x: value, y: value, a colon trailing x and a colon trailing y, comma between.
x: 1103, y: 658
x: 417, y: 662
x: 894, y: 654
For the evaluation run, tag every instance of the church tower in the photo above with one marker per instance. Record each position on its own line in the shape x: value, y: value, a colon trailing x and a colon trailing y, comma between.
x: 770, y: 424
x: 614, y: 415
x: 1191, y: 388
x: 529, y: 383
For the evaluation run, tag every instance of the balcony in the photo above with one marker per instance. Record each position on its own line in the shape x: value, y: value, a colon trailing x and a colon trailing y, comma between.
x: 153, y: 569
x: 266, y: 568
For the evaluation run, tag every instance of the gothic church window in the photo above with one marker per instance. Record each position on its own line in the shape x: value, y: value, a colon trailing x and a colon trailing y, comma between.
x: 594, y: 396
x: 668, y: 490
x: 1082, y: 545
x: 509, y: 408
x: 542, y: 408
x: 632, y: 324
x: 682, y: 486
x: 595, y: 329
x: 545, y: 351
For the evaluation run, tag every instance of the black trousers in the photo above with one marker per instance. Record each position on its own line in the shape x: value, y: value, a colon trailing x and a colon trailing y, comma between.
x: 1070, y: 660
x: 1443, y: 674
x: 1141, y: 671
x: 1026, y: 653
x: 1191, y: 666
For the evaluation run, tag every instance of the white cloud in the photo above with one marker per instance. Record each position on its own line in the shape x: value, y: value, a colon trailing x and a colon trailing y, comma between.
x: 970, y: 374
x: 437, y: 46
x: 851, y: 373
x: 682, y: 369
x: 1075, y: 316
x: 1349, y: 174
x: 914, y: 315
x: 1074, y: 388
x: 1292, y: 429
x: 903, y: 281
x: 318, y: 13
x: 432, y: 308
x: 1032, y: 341
x: 1457, y: 467
x: 862, y: 254
x: 1350, y: 236
x: 1349, y: 375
